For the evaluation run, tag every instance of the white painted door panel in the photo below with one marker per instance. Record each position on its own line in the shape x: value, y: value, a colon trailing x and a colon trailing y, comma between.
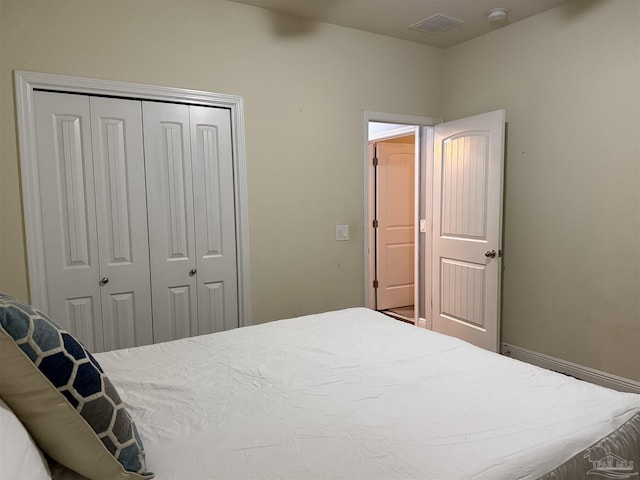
x: 214, y: 210
x: 396, y: 224
x: 167, y: 147
x: 467, y: 213
x: 121, y: 211
x: 138, y: 210
x: 68, y: 213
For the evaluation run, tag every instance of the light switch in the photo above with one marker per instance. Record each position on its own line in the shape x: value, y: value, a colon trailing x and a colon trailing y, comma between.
x: 342, y: 232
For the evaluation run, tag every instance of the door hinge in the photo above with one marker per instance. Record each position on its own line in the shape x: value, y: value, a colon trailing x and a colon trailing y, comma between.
x: 375, y: 224
x: 375, y: 161
x: 375, y: 284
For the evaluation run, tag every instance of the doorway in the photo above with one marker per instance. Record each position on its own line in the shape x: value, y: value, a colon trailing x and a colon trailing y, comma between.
x: 417, y: 133
x: 393, y: 156
x: 456, y: 222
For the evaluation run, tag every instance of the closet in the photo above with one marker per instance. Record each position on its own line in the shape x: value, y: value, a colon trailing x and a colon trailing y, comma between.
x: 138, y: 213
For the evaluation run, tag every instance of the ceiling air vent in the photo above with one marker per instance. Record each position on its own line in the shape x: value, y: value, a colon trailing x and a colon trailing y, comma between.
x: 436, y: 24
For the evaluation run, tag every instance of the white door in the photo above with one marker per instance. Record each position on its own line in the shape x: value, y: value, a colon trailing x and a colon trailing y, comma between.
x: 65, y: 172
x: 467, y: 228
x: 121, y: 213
x: 172, y: 248
x: 395, y: 199
x: 190, y: 192
x: 214, y: 209
x: 91, y: 172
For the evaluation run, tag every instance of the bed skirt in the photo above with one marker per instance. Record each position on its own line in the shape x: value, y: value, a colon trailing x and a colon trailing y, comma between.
x: 615, y: 456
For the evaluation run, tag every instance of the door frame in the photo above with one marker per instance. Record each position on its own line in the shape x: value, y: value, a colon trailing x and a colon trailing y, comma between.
x: 27, y: 82
x: 424, y: 139
x: 375, y: 139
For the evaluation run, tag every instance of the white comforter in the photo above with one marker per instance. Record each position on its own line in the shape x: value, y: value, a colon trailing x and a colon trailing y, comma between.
x: 355, y: 395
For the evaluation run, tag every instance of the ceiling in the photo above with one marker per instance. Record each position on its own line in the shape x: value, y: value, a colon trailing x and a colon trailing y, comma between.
x: 395, y: 17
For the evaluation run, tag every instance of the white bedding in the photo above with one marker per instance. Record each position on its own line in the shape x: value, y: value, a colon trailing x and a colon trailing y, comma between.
x: 353, y: 394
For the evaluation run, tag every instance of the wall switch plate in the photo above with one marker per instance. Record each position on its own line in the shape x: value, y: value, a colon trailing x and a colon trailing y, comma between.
x: 342, y: 233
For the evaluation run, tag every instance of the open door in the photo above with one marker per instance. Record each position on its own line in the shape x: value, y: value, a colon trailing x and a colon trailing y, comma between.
x: 395, y: 246
x: 467, y: 228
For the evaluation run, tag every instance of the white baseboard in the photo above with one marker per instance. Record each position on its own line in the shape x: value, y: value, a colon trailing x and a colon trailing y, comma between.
x: 569, y: 368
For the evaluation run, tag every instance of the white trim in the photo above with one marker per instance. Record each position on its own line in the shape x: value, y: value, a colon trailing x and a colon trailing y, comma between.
x: 393, y: 133
x: 569, y: 368
x: 427, y: 145
x: 400, y: 119
x: 417, y: 283
x: 411, y: 121
x: 27, y: 82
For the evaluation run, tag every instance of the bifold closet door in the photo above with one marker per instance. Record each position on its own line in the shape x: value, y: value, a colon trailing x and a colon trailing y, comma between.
x: 214, y: 208
x: 191, y: 219
x: 121, y: 213
x: 171, y: 229
x: 93, y: 206
x: 67, y: 203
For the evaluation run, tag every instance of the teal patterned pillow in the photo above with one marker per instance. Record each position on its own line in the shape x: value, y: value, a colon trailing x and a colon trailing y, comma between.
x: 59, y: 392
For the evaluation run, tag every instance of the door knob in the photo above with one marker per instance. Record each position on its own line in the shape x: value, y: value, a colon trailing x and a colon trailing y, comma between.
x: 490, y: 253
x: 104, y: 280
x: 192, y: 272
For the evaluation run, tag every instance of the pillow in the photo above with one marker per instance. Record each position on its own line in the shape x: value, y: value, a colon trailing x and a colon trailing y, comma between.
x: 60, y: 393
x: 19, y: 456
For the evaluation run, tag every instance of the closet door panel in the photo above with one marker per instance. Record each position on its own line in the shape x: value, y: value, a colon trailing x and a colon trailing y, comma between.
x: 212, y: 295
x: 66, y: 181
x: 214, y: 204
x: 121, y: 210
x: 120, y: 313
x: 171, y: 219
x: 81, y: 315
x: 181, y: 307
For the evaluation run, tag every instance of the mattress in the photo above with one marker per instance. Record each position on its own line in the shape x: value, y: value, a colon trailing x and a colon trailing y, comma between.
x: 354, y: 394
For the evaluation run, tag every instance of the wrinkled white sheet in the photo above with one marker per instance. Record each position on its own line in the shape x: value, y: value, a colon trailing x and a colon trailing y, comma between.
x: 355, y: 395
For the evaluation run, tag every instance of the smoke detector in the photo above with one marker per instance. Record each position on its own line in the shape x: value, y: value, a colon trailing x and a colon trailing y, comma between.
x: 436, y: 24
x: 497, y: 14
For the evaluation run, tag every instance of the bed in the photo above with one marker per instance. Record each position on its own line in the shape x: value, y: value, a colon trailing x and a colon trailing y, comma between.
x: 354, y: 394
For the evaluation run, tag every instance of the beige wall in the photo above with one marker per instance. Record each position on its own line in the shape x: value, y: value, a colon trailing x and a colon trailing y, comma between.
x: 569, y: 80
x: 305, y: 86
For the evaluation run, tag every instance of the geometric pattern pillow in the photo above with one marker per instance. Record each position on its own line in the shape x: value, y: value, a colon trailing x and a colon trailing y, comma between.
x: 60, y: 393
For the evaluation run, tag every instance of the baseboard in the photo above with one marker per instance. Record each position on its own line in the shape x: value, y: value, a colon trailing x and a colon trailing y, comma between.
x: 569, y: 368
